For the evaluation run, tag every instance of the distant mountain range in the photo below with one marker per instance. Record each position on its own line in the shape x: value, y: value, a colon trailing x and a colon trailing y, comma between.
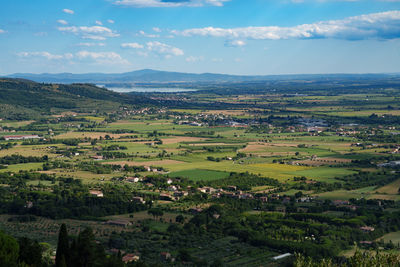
x: 156, y: 76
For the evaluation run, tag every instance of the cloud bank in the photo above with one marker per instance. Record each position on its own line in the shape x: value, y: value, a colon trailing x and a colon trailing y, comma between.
x: 82, y: 56
x: 90, y: 32
x: 384, y: 25
x: 157, y: 48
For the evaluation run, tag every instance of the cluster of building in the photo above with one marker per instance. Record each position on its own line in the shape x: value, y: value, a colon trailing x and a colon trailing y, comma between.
x: 20, y: 137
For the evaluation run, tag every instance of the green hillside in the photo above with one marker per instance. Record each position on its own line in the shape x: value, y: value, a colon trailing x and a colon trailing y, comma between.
x: 26, y: 99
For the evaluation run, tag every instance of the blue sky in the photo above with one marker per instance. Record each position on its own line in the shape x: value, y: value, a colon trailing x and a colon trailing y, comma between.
x: 222, y: 36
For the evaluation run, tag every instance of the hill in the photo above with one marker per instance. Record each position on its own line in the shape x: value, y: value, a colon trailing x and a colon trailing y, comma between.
x: 21, y: 98
x: 156, y: 76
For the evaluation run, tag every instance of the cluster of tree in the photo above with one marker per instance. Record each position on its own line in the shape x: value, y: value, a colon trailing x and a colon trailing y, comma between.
x: 114, y: 147
x: 17, y: 159
x: 243, y: 181
x: 21, y: 252
x: 365, y: 259
x: 69, y: 199
x: 98, y: 168
x: 7, y: 146
x: 83, y: 250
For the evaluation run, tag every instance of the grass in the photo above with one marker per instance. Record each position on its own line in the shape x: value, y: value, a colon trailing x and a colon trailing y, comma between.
x: 23, y: 167
x: 366, y: 192
x: 200, y: 175
x: 394, y: 237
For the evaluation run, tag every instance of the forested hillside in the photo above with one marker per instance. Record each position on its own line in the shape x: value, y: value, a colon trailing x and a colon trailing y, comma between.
x: 24, y: 99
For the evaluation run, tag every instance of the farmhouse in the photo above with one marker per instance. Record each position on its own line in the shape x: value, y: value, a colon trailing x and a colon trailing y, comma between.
x: 138, y: 200
x: 97, y: 157
x: 133, y: 179
x: 96, y: 193
x: 129, y: 258
x: 367, y: 229
x: 20, y: 137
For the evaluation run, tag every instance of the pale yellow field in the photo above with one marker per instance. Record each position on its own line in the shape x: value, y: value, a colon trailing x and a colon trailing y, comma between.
x: 391, y: 189
x: 92, y: 135
x: 179, y: 139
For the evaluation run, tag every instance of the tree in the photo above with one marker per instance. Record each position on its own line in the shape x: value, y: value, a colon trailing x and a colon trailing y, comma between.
x: 155, y: 212
x: 9, y: 251
x: 62, y: 253
x: 30, y: 252
x: 180, y: 218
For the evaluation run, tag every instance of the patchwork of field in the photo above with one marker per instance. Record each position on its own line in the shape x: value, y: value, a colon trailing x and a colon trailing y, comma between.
x: 367, y: 192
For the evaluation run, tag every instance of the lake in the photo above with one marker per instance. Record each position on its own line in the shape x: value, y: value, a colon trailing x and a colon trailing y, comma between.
x: 148, y: 90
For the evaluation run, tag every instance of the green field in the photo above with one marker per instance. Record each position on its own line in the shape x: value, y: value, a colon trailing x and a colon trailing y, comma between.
x: 200, y: 175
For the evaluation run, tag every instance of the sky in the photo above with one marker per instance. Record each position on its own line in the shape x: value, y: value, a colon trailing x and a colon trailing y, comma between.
x: 249, y: 37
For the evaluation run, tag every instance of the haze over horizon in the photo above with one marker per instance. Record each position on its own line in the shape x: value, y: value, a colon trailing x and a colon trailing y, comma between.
x: 200, y: 36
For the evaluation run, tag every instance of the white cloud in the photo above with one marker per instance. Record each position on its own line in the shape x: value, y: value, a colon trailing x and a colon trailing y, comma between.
x: 156, y: 29
x: 98, y: 22
x: 216, y: 60
x: 68, y: 11
x: 156, y: 48
x: 46, y: 55
x: 163, y: 49
x: 82, y: 56
x: 91, y: 44
x: 131, y: 45
x: 101, y: 57
x: 92, y: 32
x: 169, y: 3
x: 142, y: 33
x: 110, y: 21
x: 63, y: 22
x: 384, y: 25
x: 2, y: 31
x: 194, y: 59
x: 235, y: 43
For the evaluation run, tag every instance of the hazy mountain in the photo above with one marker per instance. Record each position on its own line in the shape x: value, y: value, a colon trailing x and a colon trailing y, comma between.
x: 155, y: 76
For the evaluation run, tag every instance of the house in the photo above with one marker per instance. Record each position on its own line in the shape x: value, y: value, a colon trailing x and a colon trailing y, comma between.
x: 96, y: 193
x: 29, y: 205
x: 281, y: 256
x: 245, y: 196
x: 172, y: 188
x: 132, y: 179
x: 169, y: 181
x: 166, y: 197
x: 165, y: 256
x: 138, y: 200
x: 129, y: 258
x: 20, y: 137
x: 264, y: 199
x: 208, y: 190
x: 216, y: 216
x: 367, y: 229
x: 97, y: 157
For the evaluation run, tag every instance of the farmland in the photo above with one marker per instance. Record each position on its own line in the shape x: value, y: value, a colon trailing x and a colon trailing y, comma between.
x: 238, y: 180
